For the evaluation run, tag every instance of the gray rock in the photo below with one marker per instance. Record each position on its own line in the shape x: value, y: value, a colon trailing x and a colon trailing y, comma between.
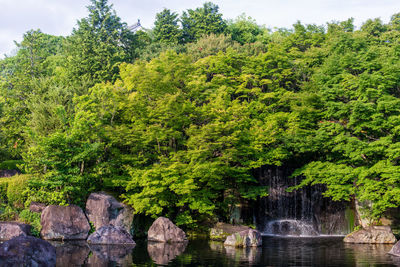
x: 221, y: 231
x: 395, y: 250
x: 27, y: 251
x: 64, y: 223
x: 103, y: 209
x: 109, y: 235
x: 163, y: 253
x: 9, y: 173
x: 37, y: 207
x: 372, y: 235
x: 163, y: 230
x: 246, y: 238
x: 10, y: 230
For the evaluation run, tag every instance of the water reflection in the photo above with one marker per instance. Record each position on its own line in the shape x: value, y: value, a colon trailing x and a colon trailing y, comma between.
x: 106, y: 255
x: 364, y: 254
x: 73, y: 253
x: 163, y: 253
x: 249, y: 255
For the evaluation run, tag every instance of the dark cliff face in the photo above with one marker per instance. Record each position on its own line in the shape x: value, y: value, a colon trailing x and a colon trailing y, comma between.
x: 282, y: 209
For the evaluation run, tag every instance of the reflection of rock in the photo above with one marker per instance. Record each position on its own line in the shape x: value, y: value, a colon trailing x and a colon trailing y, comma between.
x: 108, y: 235
x: 249, y: 254
x: 103, y: 209
x: 364, y: 253
x: 111, y: 255
x: 246, y: 238
x: 162, y: 253
x: 27, y: 251
x: 64, y: 223
x: 163, y: 230
x: 73, y: 253
x: 372, y: 235
x: 9, y: 230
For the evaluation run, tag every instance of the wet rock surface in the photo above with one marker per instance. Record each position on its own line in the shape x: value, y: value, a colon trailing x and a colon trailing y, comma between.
x: 27, y: 251
x: 64, y: 223
x: 103, y: 209
x: 163, y: 253
x: 163, y: 230
x: 247, y: 238
x: 372, y: 235
x: 10, y: 230
x: 109, y: 235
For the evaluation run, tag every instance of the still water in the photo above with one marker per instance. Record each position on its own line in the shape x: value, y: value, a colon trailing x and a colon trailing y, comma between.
x: 318, y: 251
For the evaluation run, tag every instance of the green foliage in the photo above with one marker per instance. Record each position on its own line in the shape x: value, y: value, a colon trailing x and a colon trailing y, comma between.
x: 202, y: 21
x: 33, y: 219
x: 176, y: 120
x: 166, y: 28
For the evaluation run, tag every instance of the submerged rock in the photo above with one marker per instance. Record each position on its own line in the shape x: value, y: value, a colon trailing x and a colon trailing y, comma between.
x: 64, y: 223
x: 163, y: 253
x: 10, y: 230
x: 221, y: 231
x: 108, y: 235
x: 163, y: 230
x: 246, y: 238
x: 372, y: 235
x: 103, y: 209
x: 27, y: 251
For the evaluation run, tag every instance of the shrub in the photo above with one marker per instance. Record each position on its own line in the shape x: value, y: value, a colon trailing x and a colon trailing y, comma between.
x: 33, y: 219
x: 15, y: 190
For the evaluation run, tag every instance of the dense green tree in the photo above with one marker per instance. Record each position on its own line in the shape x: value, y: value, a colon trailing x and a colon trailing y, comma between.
x: 201, y: 21
x: 98, y: 45
x: 166, y: 28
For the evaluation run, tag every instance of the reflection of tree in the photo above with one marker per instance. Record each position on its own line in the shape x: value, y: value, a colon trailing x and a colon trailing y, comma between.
x: 163, y: 253
x: 106, y: 255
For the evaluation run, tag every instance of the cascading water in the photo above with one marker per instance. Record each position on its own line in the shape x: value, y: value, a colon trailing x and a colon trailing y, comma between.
x: 303, y: 212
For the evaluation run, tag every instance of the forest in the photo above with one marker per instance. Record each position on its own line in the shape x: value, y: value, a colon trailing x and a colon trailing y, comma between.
x: 173, y: 120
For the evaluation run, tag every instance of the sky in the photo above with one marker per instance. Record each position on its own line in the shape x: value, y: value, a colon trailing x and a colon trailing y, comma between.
x: 59, y: 17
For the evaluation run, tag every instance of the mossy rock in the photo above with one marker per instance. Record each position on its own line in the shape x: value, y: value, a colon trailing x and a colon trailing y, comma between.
x: 221, y: 231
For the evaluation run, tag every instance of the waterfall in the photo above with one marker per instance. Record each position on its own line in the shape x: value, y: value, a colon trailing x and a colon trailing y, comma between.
x: 303, y: 212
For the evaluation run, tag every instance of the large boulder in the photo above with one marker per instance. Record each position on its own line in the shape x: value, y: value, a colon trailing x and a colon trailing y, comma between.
x: 10, y: 230
x: 246, y: 238
x: 395, y: 250
x: 372, y: 235
x: 103, y: 209
x: 163, y: 230
x: 220, y: 231
x: 27, y: 251
x: 110, y: 235
x: 64, y: 223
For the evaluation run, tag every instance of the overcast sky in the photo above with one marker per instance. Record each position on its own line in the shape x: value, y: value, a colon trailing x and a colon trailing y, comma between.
x: 58, y: 17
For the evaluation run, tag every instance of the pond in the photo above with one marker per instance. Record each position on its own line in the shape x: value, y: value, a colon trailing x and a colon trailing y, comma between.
x: 276, y: 251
